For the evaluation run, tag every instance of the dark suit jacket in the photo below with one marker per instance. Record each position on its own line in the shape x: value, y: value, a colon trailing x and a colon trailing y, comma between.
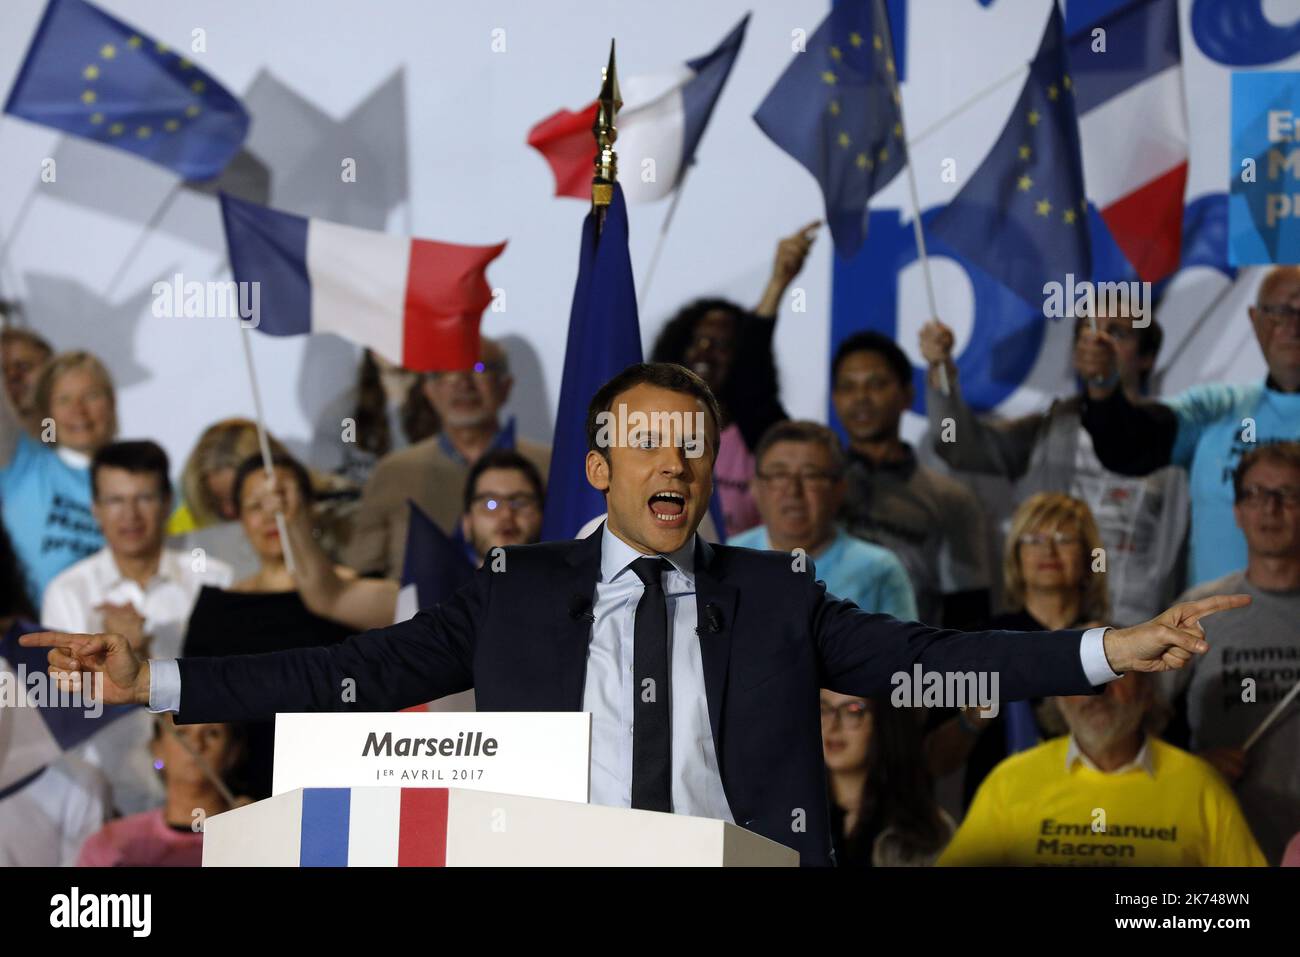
x: 515, y: 638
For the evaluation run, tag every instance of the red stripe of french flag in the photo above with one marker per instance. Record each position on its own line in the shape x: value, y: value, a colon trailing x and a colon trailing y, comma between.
x: 422, y: 833
x: 416, y: 302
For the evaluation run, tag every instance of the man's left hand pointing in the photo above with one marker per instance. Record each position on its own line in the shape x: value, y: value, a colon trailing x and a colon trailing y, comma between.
x: 1168, y: 641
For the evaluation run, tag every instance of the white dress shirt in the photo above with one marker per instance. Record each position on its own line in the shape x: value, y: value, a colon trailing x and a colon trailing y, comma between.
x: 70, y: 603
x: 609, y: 689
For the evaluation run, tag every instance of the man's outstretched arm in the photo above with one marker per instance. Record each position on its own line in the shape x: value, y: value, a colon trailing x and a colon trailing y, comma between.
x: 859, y: 653
x: 382, y: 670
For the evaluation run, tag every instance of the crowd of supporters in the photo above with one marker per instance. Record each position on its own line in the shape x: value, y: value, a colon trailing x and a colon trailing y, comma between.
x: 1123, y: 502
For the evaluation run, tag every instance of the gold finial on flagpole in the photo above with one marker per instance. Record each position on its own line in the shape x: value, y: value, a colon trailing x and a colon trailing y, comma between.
x: 606, y: 173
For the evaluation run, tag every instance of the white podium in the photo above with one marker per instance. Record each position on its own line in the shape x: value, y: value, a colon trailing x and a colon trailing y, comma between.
x: 452, y: 827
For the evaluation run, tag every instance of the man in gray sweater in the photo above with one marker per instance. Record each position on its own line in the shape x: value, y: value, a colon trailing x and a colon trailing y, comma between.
x: 1254, y: 657
x: 1143, y: 520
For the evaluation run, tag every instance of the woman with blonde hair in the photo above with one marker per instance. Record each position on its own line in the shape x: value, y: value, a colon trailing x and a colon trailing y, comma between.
x: 45, y: 480
x: 1054, y: 577
x: 207, y: 482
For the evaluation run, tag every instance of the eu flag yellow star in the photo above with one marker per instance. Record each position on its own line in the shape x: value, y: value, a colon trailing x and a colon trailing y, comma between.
x: 1024, y: 183
x: 828, y: 77
x: 843, y: 140
x: 1034, y: 117
x: 1042, y: 207
x: 1025, y: 151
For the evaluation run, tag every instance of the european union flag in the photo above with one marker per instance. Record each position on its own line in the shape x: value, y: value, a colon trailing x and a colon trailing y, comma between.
x: 836, y: 109
x: 1022, y: 216
x: 92, y: 75
x: 604, y: 339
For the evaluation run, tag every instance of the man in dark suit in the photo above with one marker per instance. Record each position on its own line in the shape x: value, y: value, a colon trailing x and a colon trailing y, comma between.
x: 701, y: 664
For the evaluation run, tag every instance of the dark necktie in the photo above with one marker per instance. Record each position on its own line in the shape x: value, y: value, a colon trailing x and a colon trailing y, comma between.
x: 651, y: 736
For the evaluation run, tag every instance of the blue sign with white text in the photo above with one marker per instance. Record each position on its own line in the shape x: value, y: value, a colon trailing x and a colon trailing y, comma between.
x: 1264, y: 179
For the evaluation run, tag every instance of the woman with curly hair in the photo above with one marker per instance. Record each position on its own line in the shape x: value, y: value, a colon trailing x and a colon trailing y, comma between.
x: 730, y: 348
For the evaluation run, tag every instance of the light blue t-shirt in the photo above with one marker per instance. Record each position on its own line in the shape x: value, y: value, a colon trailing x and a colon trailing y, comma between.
x: 46, y: 508
x: 1217, y: 424
x: 868, y: 575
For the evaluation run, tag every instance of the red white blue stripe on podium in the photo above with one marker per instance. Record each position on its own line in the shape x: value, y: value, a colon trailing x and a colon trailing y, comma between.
x: 373, y: 827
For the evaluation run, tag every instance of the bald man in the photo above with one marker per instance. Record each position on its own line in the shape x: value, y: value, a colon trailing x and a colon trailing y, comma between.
x: 1207, y: 428
x: 432, y: 473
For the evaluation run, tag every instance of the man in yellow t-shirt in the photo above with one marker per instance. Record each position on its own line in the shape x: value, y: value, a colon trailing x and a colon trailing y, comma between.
x: 1107, y: 794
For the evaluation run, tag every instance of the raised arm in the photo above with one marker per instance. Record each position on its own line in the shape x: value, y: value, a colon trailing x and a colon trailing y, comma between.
x: 333, y: 591
x: 791, y: 252
x: 1129, y: 438
x: 962, y: 439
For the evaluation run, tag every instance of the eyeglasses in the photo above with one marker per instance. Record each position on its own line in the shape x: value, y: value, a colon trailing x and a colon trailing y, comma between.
x: 1257, y: 496
x: 1280, y: 314
x: 787, y: 480
x: 1040, y: 540
x: 115, y: 503
x: 491, y: 504
x: 850, y: 713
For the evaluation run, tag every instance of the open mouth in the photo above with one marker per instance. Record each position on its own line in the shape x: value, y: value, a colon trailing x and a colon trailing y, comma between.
x: 669, y: 508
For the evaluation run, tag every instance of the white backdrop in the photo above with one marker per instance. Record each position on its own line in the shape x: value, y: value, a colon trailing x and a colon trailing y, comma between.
x: 437, y: 121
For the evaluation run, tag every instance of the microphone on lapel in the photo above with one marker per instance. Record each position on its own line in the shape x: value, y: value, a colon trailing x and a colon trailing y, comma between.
x: 580, y: 609
x: 712, y: 619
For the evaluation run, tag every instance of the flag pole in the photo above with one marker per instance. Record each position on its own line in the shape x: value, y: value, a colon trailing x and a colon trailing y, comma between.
x: 644, y: 296
x: 1272, y: 716
x: 12, y: 232
x: 159, y: 212
x: 606, y: 167
x: 944, y: 386
x: 264, y: 443
x: 967, y: 104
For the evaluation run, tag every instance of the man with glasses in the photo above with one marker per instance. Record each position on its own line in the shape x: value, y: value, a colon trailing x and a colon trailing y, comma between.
x: 135, y: 588
x: 799, y: 486
x: 1207, y: 428
x: 432, y: 472
x: 1255, y: 657
x: 1143, y: 520
x: 503, y: 499
x: 503, y: 503
x: 933, y: 524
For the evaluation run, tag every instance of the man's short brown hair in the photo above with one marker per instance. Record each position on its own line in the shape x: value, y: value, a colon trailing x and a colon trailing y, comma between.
x: 663, y: 375
x: 1279, y: 453
x: 801, y: 430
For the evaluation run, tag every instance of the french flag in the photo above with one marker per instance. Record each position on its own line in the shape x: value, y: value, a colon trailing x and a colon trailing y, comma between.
x: 373, y: 827
x: 1132, y: 124
x: 416, y: 302
x: 659, y: 127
